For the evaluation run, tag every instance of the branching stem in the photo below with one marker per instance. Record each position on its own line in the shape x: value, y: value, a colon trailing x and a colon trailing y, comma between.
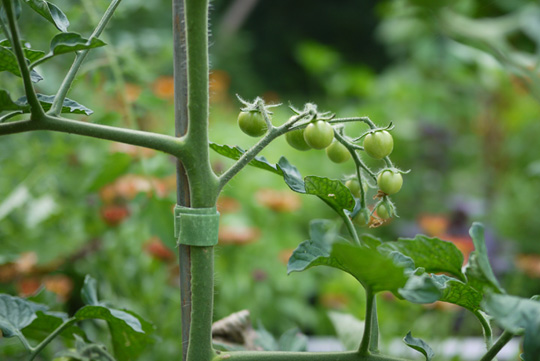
x: 51, y: 336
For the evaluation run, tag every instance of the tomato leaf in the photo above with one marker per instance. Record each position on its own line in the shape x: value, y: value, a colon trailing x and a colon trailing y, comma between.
x: 419, y: 345
x: 89, y: 291
x: 380, y: 272
x: 429, y: 288
x: 514, y: 314
x: 8, y: 62
x: 71, y: 42
x: 50, y: 12
x: 16, y: 313
x: 69, y: 106
x: 478, y: 271
x: 332, y: 192
x: 86, y: 352
x: 348, y: 328
x: 236, y: 152
x: 47, y: 322
x: 293, y: 341
x: 432, y: 254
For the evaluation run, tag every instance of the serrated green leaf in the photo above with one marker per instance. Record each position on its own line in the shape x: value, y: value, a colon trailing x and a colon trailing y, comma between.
x: 130, y: 333
x: 70, y: 42
x: 429, y: 288
x: 236, y: 152
x: 50, y: 12
x: 432, y: 254
x: 316, y: 250
x: 371, y: 268
x: 69, y: 106
x: 30, y: 54
x: 8, y: 61
x: 46, y: 322
x: 480, y: 268
x: 419, y: 345
x: 332, y: 192
x: 6, y: 103
x: 15, y: 314
x: 370, y: 241
x: 515, y: 314
x: 89, y: 291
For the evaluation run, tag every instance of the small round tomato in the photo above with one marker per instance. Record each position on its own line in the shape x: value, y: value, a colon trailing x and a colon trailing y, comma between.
x: 382, y: 212
x: 337, y: 152
x: 319, y: 135
x: 379, y: 144
x: 252, y: 123
x: 354, y: 187
x: 296, y: 140
x: 389, y: 181
x: 361, y: 219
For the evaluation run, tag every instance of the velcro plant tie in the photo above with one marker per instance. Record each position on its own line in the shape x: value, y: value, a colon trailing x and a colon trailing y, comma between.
x: 196, y: 226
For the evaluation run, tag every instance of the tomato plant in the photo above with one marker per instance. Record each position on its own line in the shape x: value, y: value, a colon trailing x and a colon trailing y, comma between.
x: 421, y: 270
x: 319, y: 135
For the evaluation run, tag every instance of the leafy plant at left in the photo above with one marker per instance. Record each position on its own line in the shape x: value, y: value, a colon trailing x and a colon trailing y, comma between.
x: 24, y: 319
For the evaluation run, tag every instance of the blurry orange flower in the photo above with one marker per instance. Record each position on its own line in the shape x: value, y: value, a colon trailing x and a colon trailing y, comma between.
x: 529, y: 264
x: 133, y: 91
x: 234, y: 235
x: 155, y: 247
x: 59, y: 284
x: 433, y: 225
x: 279, y: 201
x: 227, y: 205
x: 164, y: 87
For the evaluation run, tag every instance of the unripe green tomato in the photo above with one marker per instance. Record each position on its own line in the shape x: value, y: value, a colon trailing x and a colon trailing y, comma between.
x: 319, y: 135
x: 379, y: 144
x: 389, y: 182
x: 252, y: 123
x: 296, y: 140
x: 382, y: 212
x: 354, y: 187
x: 361, y: 219
x: 337, y: 152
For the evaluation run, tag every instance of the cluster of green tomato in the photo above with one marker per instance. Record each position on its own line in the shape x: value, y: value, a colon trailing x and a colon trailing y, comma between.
x: 320, y: 135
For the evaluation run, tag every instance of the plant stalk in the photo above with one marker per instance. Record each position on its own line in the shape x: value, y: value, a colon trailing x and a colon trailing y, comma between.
x: 29, y: 90
x: 505, y: 337
x: 56, y: 107
x: 51, y: 336
x: 368, y: 323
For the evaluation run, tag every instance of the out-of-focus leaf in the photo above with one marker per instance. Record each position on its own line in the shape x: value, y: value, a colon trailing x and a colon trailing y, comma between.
x: 265, y: 340
x: 432, y: 254
x: 86, y: 352
x: 15, y: 314
x: 50, y: 12
x: 515, y: 314
x: 293, y: 341
x: 478, y: 268
x: 89, y: 291
x: 46, y: 323
x: 348, y: 328
x: 14, y: 200
x: 115, y: 165
x: 419, y: 345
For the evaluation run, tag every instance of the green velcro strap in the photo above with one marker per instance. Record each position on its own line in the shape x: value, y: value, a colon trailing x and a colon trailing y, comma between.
x: 196, y: 226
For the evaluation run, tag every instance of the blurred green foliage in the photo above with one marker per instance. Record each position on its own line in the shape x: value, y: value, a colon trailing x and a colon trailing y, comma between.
x: 466, y: 112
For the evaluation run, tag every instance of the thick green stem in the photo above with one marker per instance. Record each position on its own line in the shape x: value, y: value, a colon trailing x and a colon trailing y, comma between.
x: 202, y: 304
x: 497, y: 346
x: 25, y: 342
x: 374, y: 343
x: 164, y: 143
x: 29, y: 90
x: 56, y: 107
x: 51, y: 336
x: 301, y: 356
x: 486, y: 327
x: 368, y: 323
